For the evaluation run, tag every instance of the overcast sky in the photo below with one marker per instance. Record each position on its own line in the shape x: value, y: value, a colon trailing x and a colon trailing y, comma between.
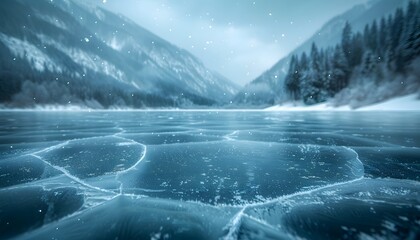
x: 238, y: 38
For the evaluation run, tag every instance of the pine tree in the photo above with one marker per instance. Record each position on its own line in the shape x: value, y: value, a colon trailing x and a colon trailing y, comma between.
x: 313, y: 93
x: 366, y: 35
x: 389, y: 52
x: 340, y: 70
x: 304, y: 78
x: 382, y: 41
x: 292, y: 80
x: 373, y: 38
x: 410, y: 35
x: 304, y: 62
x: 327, y: 76
x: 346, y: 41
x: 315, y: 58
x: 397, y: 30
x: 358, y: 48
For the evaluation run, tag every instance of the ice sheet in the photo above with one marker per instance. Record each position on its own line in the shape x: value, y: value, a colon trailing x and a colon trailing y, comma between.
x: 209, y: 175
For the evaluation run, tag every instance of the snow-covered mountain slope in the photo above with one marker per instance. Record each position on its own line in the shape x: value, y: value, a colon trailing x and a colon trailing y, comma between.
x: 268, y: 88
x: 59, y: 52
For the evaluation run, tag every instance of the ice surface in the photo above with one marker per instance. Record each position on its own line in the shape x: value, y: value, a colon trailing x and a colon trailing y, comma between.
x: 92, y: 157
x: 235, y: 172
x: 364, y: 207
x: 27, y: 208
x: 139, y: 218
x: 209, y: 175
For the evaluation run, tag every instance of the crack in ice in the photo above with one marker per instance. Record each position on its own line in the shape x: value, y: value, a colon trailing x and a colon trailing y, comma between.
x: 230, y: 135
x: 141, y: 158
x: 78, y: 180
x: 235, y: 223
x: 68, y: 174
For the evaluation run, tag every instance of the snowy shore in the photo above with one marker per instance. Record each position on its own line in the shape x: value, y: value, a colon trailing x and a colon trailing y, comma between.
x: 405, y: 103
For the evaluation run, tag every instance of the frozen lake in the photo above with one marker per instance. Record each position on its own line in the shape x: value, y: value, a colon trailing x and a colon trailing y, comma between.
x: 209, y: 175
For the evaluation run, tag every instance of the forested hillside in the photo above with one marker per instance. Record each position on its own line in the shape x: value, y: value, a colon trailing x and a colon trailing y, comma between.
x: 366, y: 67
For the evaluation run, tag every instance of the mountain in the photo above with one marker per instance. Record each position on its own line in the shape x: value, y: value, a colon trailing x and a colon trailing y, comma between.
x: 268, y: 88
x: 71, y: 52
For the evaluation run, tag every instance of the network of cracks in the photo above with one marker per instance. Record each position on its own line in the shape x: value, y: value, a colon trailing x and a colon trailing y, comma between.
x: 168, y: 175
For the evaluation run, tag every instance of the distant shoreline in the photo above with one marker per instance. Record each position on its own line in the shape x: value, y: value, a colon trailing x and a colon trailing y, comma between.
x: 405, y: 103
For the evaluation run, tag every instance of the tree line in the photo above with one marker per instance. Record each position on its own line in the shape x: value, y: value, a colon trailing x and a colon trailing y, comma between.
x: 385, y: 48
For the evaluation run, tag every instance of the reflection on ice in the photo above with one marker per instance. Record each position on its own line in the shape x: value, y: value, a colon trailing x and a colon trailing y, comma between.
x: 139, y: 218
x: 209, y: 175
x: 27, y: 208
x: 237, y: 172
